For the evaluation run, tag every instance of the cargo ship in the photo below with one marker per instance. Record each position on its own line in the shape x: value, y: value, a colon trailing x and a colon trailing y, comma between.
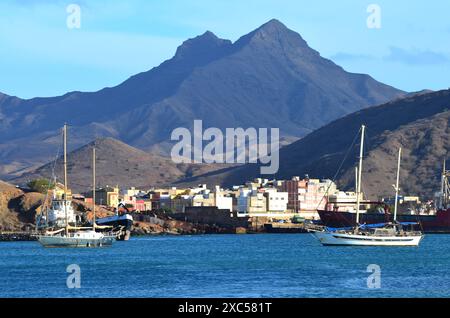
x: 438, y: 222
x: 430, y: 223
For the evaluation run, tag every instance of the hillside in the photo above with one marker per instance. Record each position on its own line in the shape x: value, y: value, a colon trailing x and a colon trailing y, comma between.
x: 117, y: 164
x: 420, y: 124
x: 17, y: 209
x: 268, y: 78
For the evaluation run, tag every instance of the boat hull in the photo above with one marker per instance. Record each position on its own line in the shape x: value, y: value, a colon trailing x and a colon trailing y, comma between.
x: 68, y: 242
x: 121, y: 224
x: 439, y: 223
x: 341, y: 239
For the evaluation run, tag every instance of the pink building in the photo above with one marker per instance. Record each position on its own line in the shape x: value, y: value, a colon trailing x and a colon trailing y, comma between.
x: 306, y: 196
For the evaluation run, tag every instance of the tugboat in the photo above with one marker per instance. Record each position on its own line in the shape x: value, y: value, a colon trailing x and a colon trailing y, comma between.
x: 383, y: 234
x: 81, y: 237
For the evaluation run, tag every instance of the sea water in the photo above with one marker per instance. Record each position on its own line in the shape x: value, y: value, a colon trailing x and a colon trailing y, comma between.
x: 266, y: 265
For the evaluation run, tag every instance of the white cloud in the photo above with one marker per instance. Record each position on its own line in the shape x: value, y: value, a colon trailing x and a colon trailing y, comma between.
x: 416, y: 56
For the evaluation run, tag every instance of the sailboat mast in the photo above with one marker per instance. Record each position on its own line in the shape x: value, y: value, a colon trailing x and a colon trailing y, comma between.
x: 397, y: 183
x: 65, y: 178
x: 443, y: 192
x: 358, y: 188
x: 93, y: 188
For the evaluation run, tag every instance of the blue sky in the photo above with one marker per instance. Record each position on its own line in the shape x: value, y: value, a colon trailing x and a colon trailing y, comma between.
x: 41, y: 56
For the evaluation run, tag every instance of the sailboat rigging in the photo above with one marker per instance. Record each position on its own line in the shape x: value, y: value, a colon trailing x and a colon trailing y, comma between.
x: 81, y: 237
x: 382, y: 234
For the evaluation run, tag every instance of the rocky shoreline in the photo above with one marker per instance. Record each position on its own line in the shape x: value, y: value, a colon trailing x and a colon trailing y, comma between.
x: 17, y: 237
x: 18, y: 211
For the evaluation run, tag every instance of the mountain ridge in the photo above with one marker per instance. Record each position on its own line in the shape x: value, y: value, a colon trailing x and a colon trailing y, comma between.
x: 116, y: 164
x: 267, y: 78
x: 419, y: 123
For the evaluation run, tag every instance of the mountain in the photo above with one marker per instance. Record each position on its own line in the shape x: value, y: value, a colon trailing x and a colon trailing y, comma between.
x: 268, y: 78
x: 116, y: 164
x: 420, y: 124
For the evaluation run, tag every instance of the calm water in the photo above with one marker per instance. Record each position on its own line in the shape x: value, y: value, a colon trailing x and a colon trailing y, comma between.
x: 227, y: 266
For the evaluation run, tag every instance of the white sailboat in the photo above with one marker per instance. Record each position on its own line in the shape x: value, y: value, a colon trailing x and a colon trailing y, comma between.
x: 81, y: 237
x: 384, y: 234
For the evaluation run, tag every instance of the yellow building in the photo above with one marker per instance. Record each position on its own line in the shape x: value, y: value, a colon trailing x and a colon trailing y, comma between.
x: 172, y: 192
x: 257, y: 203
x: 58, y: 192
x: 108, y: 196
x: 180, y: 202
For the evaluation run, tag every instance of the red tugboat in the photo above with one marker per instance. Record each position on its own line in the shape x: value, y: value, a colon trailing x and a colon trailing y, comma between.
x: 430, y: 223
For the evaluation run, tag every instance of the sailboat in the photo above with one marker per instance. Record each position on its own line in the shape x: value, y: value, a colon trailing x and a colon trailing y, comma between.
x: 382, y: 234
x: 80, y: 237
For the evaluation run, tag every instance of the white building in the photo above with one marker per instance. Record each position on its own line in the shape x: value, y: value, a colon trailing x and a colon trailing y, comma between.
x: 264, y: 202
x: 221, y: 201
x: 342, y: 201
x: 276, y: 201
x: 242, y: 200
x: 132, y: 192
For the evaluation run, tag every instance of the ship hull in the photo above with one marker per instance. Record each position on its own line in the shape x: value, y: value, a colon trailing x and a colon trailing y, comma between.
x: 340, y: 239
x: 121, y: 224
x: 71, y: 242
x: 439, y: 223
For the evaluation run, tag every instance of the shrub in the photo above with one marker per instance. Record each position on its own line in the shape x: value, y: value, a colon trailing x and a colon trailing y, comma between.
x: 41, y: 185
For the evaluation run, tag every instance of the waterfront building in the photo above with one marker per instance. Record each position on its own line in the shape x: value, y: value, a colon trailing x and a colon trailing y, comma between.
x: 172, y: 192
x: 251, y: 201
x: 295, y: 188
x: 131, y: 192
x: 223, y: 200
x: 58, y: 192
x: 342, y: 201
x: 306, y: 196
x: 134, y: 199
x: 276, y: 201
x: 108, y: 196
x: 179, y: 203
x: 148, y: 204
x: 164, y: 201
x: 139, y: 205
x: 202, y: 196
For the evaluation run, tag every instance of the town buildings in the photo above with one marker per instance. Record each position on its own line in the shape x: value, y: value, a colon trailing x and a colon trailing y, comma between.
x: 306, y: 196
x: 202, y: 196
x: 108, y: 196
x: 261, y: 198
x: 275, y: 199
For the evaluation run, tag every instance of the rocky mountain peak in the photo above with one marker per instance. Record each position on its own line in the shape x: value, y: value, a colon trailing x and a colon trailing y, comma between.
x: 202, y: 46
